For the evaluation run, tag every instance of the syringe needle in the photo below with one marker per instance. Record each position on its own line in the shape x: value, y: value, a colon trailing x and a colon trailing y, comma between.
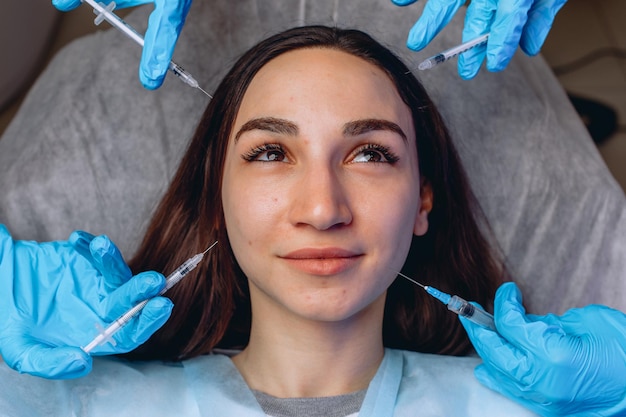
x: 411, y: 279
x: 209, y: 248
x: 209, y: 95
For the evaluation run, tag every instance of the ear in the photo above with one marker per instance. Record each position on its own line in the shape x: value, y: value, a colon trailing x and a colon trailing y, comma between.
x: 426, y: 205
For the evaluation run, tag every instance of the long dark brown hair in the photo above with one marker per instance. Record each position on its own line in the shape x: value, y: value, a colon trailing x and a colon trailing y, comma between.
x: 212, y: 306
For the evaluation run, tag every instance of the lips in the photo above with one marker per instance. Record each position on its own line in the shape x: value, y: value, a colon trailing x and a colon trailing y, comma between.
x: 328, y: 261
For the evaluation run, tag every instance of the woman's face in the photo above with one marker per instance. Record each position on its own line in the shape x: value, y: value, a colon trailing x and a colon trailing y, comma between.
x: 321, y: 185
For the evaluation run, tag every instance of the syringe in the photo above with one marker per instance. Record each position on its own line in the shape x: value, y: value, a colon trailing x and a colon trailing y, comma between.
x: 105, y: 12
x: 452, y: 52
x: 173, y: 279
x: 458, y: 305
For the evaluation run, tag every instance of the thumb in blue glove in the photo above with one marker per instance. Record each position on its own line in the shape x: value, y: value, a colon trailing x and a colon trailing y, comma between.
x: 510, y: 23
x: 53, y: 294
x: 573, y: 365
x: 164, y: 26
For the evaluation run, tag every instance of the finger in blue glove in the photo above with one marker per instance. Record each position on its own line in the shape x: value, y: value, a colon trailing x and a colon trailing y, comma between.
x: 164, y: 27
x: 435, y: 16
x: 104, y: 256
x: 403, y: 2
x: 478, y: 20
x: 29, y: 356
x: 66, y: 5
x: 540, y: 19
x: 505, y: 21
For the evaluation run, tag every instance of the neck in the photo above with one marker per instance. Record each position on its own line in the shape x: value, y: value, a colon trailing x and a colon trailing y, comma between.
x: 291, y: 357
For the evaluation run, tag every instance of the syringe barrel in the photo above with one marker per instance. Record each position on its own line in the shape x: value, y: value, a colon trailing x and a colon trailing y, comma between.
x: 125, y: 318
x: 182, y: 74
x: 472, y: 313
x: 180, y: 272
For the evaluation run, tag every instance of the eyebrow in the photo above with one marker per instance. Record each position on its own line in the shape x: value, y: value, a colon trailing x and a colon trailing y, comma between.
x: 270, y: 124
x: 359, y: 127
x: 285, y: 127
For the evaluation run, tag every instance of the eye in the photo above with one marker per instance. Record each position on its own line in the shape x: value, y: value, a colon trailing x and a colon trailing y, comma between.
x: 269, y: 152
x: 374, y: 153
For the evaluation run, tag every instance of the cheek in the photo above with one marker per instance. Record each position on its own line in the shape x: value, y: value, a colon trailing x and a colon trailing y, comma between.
x: 401, y: 220
x: 397, y: 215
x: 395, y: 199
x: 249, y: 210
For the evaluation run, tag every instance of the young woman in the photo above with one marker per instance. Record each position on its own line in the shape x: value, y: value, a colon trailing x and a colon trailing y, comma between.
x: 388, y: 181
x: 322, y: 168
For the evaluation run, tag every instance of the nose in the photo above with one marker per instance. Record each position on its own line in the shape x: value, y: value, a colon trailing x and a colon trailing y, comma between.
x: 320, y: 200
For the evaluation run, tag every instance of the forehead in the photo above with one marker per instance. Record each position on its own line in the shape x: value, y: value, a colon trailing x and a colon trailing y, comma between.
x: 317, y: 78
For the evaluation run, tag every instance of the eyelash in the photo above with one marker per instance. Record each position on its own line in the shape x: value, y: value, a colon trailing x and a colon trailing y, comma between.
x: 254, y: 153
x: 390, y: 157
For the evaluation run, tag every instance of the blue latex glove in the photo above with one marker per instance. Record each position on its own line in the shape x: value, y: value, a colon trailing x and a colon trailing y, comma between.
x: 569, y: 365
x: 53, y: 294
x: 164, y: 27
x: 510, y: 23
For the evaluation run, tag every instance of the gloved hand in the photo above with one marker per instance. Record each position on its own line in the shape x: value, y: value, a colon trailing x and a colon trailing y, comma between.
x: 510, y: 23
x: 164, y: 27
x: 569, y: 365
x: 53, y: 294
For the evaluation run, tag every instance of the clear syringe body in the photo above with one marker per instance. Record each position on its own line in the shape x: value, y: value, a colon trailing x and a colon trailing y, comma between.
x: 105, y: 12
x: 442, y: 57
x: 463, y: 308
x: 171, y: 280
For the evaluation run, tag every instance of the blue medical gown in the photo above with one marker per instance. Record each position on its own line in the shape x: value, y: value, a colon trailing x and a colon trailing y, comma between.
x: 406, y: 384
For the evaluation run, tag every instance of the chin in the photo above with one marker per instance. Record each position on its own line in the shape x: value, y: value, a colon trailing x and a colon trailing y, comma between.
x: 323, y: 309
